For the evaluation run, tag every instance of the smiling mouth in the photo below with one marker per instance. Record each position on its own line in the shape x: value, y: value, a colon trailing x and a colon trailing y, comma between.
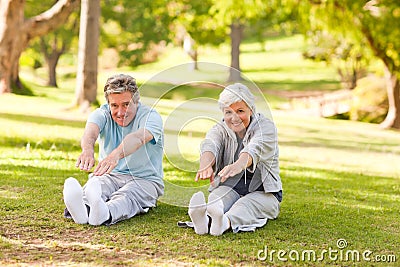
x: 122, y: 117
x: 121, y: 120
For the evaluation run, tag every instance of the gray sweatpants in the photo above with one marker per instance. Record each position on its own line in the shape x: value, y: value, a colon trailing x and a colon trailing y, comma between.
x: 127, y: 196
x: 248, y: 212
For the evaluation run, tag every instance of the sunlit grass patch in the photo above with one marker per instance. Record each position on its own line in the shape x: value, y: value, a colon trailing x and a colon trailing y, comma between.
x: 340, y: 179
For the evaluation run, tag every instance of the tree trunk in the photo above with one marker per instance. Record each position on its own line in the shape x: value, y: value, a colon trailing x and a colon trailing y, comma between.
x: 10, y: 41
x: 15, y: 76
x: 51, y: 65
x: 236, y: 38
x: 190, y: 47
x: 89, y: 31
x: 52, y: 54
x: 16, y: 32
x: 392, y: 119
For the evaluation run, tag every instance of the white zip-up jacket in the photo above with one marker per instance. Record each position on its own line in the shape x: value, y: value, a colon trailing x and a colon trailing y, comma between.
x: 260, y: 142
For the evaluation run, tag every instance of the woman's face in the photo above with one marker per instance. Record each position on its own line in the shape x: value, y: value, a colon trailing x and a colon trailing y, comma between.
x: 237, y: 116
x: 123, y: 109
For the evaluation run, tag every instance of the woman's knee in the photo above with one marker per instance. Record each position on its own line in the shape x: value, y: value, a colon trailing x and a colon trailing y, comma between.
x: 226, y: 195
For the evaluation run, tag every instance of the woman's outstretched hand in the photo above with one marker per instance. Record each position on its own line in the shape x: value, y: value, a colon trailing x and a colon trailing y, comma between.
x: 206, y: 173
x: 244, y: 161
x: 230, y: 170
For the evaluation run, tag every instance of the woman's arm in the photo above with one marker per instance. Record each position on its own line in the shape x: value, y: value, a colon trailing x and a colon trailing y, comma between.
x: 210, y: 149
x: 263, y: 144
x: 244, y: 161
x: 206, y: 171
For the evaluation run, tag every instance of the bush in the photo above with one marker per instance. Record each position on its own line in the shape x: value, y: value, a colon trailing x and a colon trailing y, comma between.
x: 370, y: 102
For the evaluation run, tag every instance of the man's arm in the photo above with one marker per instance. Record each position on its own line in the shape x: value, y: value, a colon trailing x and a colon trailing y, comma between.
x: 131, y: 143
x: 86, y: 159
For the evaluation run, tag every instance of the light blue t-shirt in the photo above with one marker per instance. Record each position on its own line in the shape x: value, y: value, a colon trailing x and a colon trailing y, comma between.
x: 144, y: 163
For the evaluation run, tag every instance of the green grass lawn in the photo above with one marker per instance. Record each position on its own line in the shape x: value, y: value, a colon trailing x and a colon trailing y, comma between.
x: 341, y: 185
x: 341, y: 181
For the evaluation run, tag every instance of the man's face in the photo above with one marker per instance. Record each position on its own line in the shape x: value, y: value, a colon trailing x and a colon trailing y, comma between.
x: 123, y: 109
x: 237, y: 116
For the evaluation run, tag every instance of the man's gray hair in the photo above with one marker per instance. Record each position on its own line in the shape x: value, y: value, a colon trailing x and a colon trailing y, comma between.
x: 235, y: 93
x: 120, y: 83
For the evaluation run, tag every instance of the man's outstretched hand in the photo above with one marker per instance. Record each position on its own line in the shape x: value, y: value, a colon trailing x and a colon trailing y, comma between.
x: 85, y: 161
x: 105, y: 166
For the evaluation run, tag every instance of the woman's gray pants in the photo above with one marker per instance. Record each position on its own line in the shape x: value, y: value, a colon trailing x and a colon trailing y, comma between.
x: 248, y: 212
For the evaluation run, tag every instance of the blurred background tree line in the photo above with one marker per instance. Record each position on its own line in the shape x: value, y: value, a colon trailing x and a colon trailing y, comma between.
x: 348, y: 34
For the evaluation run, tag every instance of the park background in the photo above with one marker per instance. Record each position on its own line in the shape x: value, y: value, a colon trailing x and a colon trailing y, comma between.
x: 340, y: 175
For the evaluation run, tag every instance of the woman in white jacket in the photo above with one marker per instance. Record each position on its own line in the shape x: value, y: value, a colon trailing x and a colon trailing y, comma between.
x: 240, y: 157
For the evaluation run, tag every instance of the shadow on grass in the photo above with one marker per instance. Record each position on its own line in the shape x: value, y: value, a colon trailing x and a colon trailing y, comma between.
x: 22, y: 89
x: 327, y: 185
x: 42, y: 120
x: 31, y: 176
x: 185, y: 91
x: 29, y: 189
x: 58, y: 144
x: 295, y: 85
x: 340, y: 145
x: 319, y: 207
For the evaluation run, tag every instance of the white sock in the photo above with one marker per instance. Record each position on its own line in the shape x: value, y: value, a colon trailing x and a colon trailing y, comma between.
x: 219, y: 221
x: 73, y: 200
x: 99, y: 212
x: 197, y: 213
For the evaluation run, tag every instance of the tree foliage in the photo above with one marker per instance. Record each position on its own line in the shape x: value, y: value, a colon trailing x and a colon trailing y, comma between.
x: 17, y: 31
x: 371, y: 22
x: 197, y: 21
x: 374, y: 23
x: 135, y: 27
x: 214, y: 22
x: 351, y: 58
x: 55, y: 43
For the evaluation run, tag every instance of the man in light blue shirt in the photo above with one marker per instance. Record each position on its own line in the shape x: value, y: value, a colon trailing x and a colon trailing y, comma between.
x: 128, y: 179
